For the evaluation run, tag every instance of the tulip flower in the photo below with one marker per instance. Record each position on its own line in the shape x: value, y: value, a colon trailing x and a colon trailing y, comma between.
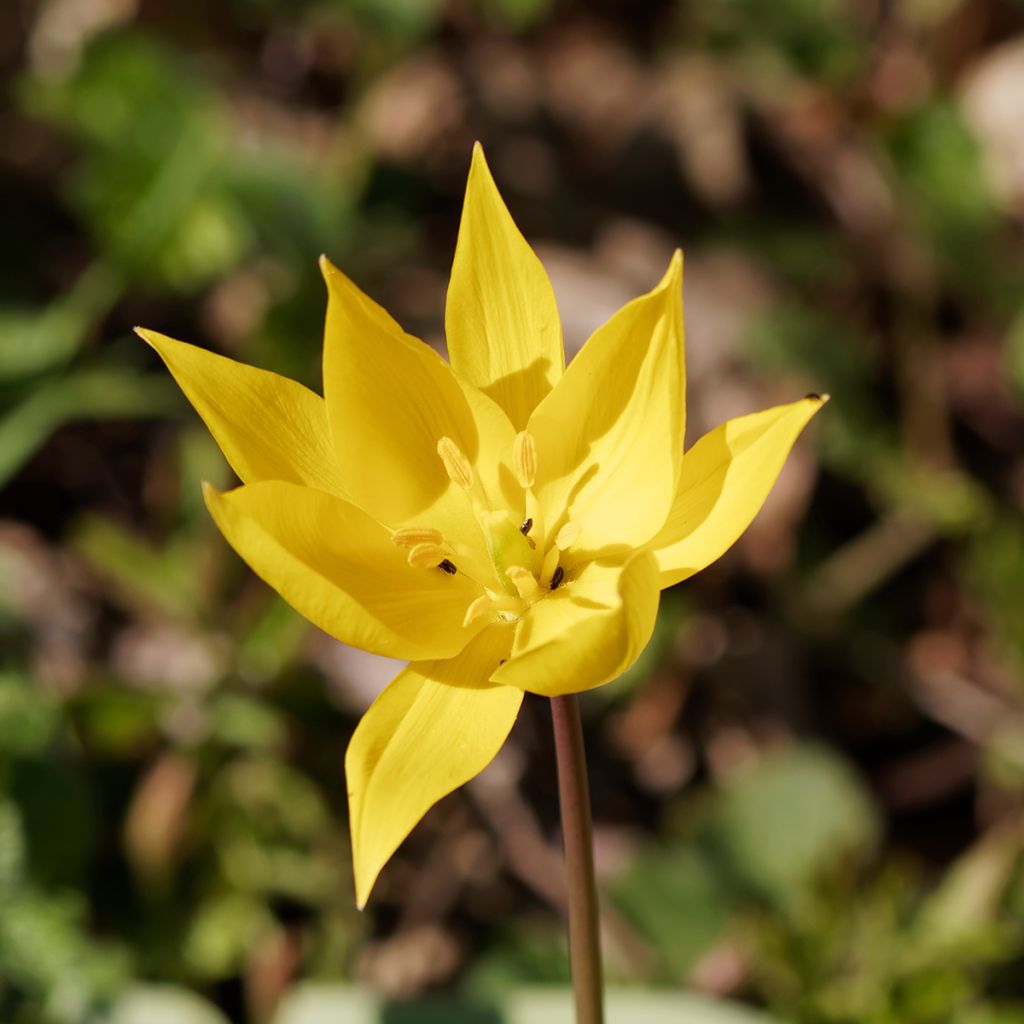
x: 499, y: 520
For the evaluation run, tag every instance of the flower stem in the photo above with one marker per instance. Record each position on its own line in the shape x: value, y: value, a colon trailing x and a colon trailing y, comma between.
x: 578, y: 840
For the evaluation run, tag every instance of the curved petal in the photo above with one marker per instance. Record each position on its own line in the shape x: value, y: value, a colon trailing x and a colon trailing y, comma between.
x: 725, y: 480
x: 390, y: 399
x: 338, y: 567
x: 588, y: 631
x: 504, y: 334
x: 267, y: 426
x: 436, y: 725
x: 610, y: 436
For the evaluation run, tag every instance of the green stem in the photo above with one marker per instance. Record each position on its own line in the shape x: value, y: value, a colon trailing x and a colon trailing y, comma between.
x: 578, y: 840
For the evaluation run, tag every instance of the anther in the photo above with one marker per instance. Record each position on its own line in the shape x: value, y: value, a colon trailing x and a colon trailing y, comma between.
x: 410, y: 536
x: 426, y: 555
x: 448, y: 566
x: 549, y: 564
x: 557, y: 578
x: 482, y: 606
x: 524, y: 581
x: 456, y: 464
x: 526, y: 526
x: 524, y: 458
x: 568, y: 535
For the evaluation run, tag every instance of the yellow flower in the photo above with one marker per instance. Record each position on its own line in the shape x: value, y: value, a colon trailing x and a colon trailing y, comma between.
x: 502, y: 522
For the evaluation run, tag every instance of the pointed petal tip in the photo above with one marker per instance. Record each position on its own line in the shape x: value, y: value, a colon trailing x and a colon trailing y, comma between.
x: 821, y: 399
x: 673, y: 276
x: 327, y: 268
x: 210, y: 493
x: 147, y: 336
x: 478, y: 165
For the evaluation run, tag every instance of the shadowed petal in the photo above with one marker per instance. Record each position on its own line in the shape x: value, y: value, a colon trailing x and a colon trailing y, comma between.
x: 267, y: 426
x: 338, y: 567
x: 725, y: 480
x: 504, y: 334
x: 436, y: 725
x: 588, y: 631
x: 390, y: 399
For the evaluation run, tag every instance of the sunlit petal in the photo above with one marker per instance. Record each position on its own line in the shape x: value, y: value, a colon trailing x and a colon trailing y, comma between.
x: 267, y: 426
x: 725, y: 480
x: 504, y: 334
x: 341, y: 570
x: 589, y: 630
x: 436, y: 725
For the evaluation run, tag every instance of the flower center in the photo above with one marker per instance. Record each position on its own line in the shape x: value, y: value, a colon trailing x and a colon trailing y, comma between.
x: 525, y: 573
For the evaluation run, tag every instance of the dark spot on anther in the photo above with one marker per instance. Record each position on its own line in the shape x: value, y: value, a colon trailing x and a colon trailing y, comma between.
x: 526, y: 527
x: 557, y: 578
x: 813, y: 395
x: 448, y: 567
x: 503, y: 660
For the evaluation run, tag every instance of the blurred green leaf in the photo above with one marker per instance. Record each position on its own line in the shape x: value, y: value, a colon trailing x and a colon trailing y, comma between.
x: 83, y: 394
x: 162, y: 578
x: 968, y: 899
x: 677, y: 901
x: 793, y: 817
x: 29, y: 718
x: 34, y: 341
x: 224, y: 931
x: 245, y: 722
x: 12, y: 847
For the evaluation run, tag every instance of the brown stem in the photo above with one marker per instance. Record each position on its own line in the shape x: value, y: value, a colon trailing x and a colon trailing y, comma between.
x: 578, y: 840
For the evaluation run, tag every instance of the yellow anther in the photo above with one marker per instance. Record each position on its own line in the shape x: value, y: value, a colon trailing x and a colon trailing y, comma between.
x: 456, y: 464
x: 410, y: 536
x: 426, y: 556
x: 524, y: 458
x: 524, y: 582
x: 550, y: 565
x: 568, y: 535
x: 482, y: 606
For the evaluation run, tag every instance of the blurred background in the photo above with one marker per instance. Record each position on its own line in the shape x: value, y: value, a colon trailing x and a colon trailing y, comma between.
x: 808, y: 794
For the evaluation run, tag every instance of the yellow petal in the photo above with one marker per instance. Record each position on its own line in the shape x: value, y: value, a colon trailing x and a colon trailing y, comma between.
x: 340, y: 569
x: 588, y: 631
x: 436, y: 725
x: 267, y: 426
x: 504, y: 334
x: 390, y: 399
x: 725, y: 479
x: 610, y: 436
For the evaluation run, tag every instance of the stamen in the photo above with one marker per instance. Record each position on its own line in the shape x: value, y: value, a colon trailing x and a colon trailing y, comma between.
x: 426, y: 555
x: 524, y: 458
x: 550, y: 564
x: 410, y: 536
x: 557, y: 578
x: 482, y: 606
x: 524, y: 582
x: 568, y: 535
x: 456, y: 464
